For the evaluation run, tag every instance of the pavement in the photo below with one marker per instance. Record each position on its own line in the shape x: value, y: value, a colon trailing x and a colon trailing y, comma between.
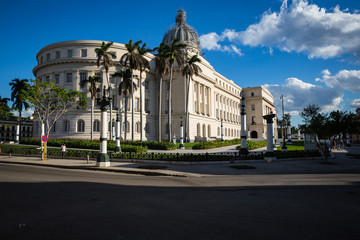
x: 340, y: 161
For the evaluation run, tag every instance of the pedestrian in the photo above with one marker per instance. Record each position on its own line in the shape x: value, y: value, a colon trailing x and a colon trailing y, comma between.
x: 63, y: 150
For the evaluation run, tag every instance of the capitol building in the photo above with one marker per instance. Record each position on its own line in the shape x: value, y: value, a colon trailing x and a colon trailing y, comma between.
x: 213, y: 99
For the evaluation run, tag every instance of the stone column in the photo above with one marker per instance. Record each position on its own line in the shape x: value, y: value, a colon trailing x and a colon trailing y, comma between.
x: 269, y: 155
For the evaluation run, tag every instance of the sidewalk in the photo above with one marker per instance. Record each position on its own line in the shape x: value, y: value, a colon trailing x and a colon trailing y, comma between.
x: 198, y: 169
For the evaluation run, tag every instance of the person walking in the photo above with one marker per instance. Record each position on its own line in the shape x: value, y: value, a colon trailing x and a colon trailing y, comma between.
x: 63, y: 150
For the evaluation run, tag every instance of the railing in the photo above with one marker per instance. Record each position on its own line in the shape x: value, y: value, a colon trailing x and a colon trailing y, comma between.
x: 183, y: 157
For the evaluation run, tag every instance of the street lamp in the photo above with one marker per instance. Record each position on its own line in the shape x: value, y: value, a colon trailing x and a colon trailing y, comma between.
x: 284, y: 148
x: 243, y: 149
x: 103, y: 101
x: 181, y: 146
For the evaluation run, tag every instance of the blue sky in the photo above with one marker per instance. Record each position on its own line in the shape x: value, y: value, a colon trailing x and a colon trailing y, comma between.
x: 309, y: 51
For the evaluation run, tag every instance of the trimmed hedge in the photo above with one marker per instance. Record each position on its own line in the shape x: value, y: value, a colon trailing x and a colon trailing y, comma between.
x: 216, y: 144
x: 253, y: 145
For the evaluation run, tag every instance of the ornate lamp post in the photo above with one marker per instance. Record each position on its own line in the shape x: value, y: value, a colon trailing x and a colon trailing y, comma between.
x: 181, y: 146
x: 103, y: 101
x: 284, y: 148
x: 117, y: 148
x: 243, y: 149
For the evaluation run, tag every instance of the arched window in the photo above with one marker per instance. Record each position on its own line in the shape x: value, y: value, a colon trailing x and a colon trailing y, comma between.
x: 96, y: 126
x: 198, y: 133
x: 66, y: 126
x: 229, y: 132
x: 218, y: 131
x: 137, y: 127
x: 81, y: 126
x: 225, y: 132
x: 204, y: 130
x: 253, y: 134
x: 128, y: 127
x: 209, y: 130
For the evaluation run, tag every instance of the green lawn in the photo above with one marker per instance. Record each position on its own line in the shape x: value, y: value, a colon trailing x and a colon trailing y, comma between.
x: 186, y: 145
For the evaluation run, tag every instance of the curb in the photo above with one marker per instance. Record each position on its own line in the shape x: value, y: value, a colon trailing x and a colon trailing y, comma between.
x: 94, y: 168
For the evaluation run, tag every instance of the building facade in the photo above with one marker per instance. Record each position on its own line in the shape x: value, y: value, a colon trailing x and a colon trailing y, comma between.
x: 213, y: 98
x: 8, y: 128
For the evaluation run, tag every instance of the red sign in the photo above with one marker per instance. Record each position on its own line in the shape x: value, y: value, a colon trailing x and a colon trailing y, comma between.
x: 44, y: 138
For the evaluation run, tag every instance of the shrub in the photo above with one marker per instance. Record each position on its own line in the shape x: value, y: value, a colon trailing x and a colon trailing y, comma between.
x: 216, y: 144
x: 253, y: 145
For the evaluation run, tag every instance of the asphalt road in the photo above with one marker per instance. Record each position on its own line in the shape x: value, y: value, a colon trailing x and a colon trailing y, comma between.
x: 48, y: 203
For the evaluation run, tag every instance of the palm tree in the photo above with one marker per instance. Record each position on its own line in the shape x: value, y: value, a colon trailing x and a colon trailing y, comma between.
x: 143, y: 66
x: 19, y: 90
x: 189, y: 70
x: 175, y: 53
x: 161, y: 68
x: 5, y: 111
x: 92, y: 89
x: 125, y: 87
x: 104, y: 57
x: 132, y: 60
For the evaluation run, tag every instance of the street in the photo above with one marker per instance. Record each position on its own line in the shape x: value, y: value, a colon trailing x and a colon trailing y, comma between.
x: 50, y: 203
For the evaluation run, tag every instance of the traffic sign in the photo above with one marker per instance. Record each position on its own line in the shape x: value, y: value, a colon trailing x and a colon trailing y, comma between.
x: 44, y: 138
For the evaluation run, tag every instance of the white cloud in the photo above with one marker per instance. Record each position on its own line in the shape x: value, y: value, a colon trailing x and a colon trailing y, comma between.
x: 300, y: 27
x: 344, y: 79
x: 355, y: 103
x: 211, y: 41
x: 299, y: 94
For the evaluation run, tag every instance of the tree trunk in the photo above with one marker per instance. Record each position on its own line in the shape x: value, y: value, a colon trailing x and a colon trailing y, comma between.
x: 126, y: 126
x: 159, y: 119
x: 132, y: 107
x: 187, y: 111
x: 92, y: 119
x: 169, y: 102
x: 141, y: 108
x: 20, y: 126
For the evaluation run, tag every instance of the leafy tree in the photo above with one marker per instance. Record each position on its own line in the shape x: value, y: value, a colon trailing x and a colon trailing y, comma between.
x: 126, y: 87
x: 190, y: 69
x: 92, y: 81
x: 5, y: 111
x: 162, y: 67
x: 175, y: 54
x: 133, y: 61
x: 50, y: 101
x: 308, y: 113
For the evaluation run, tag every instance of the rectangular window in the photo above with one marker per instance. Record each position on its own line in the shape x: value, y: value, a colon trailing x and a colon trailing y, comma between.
x: 47, y: 78
x: 146, y: 85
x: 253, y: 120
x: 69, y: 53
x: 48, y: 57
x: 253, y: 107
x: 83, y: 77
x: 98, y: 74
x: 83, y: 52
x: 41, y: 59
x: 147, y: 106
x: 57, y: 78
x: 69, y: 77
x: 137, y: 104
x: 57, y: 54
